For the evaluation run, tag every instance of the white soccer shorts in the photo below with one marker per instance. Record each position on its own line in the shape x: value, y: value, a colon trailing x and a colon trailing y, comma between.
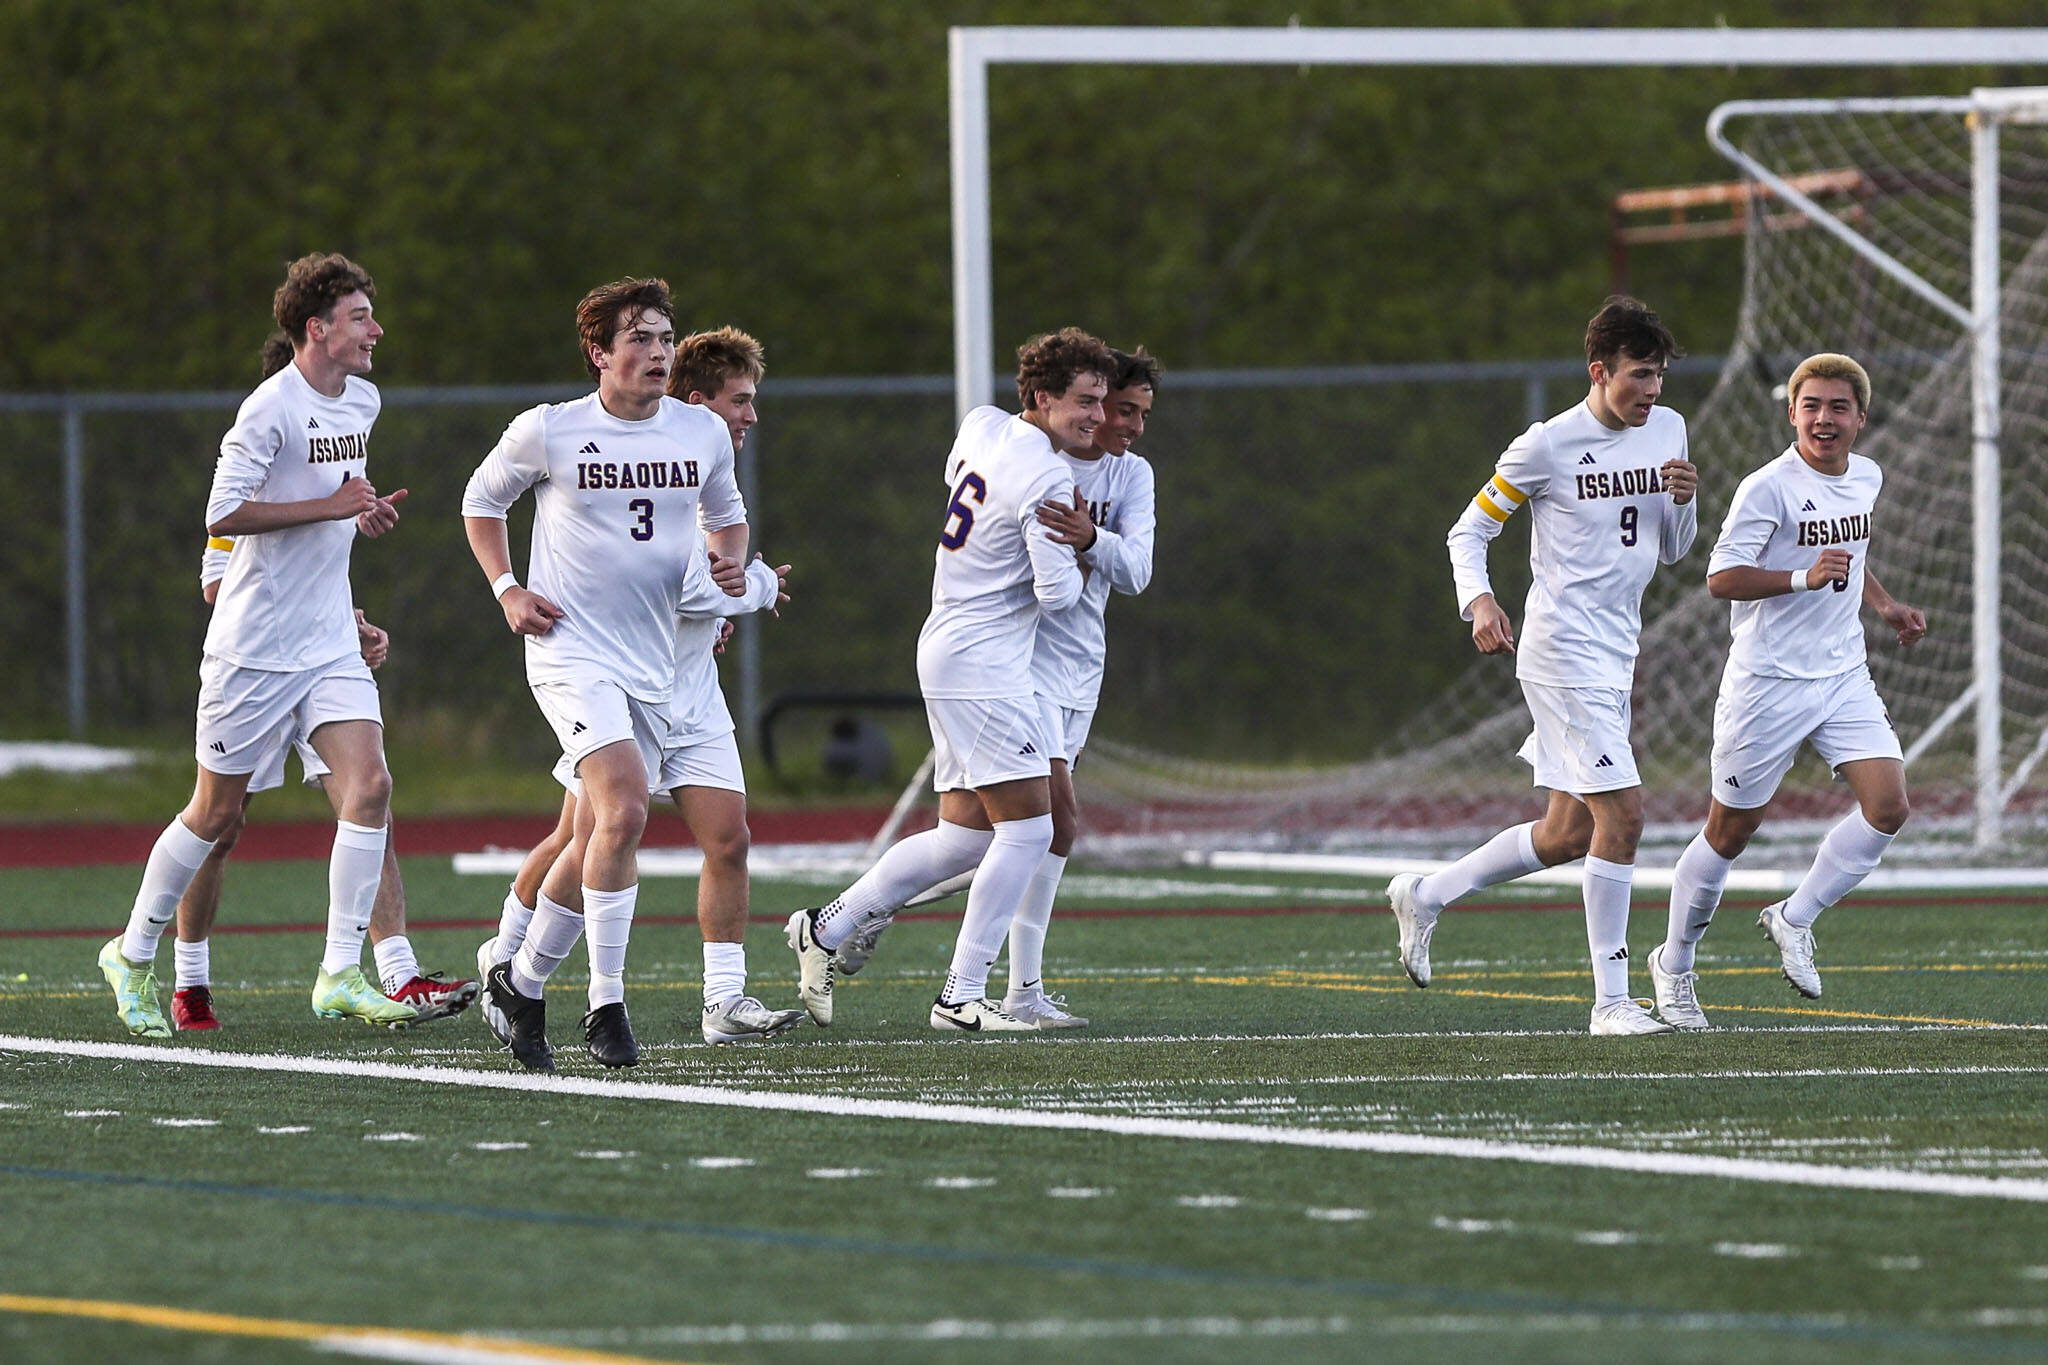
x: 593, y: 713
x: 1065, y: 729
x: 249, y: 716
x: 1580, y: 745
x: 1760, y: 722
x: 978, y: 743
x: 712, y: 762
x: 313, y: 771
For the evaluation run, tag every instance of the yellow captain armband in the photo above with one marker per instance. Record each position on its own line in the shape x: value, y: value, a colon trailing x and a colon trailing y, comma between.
x: 1499, y: 498
x: 221, y: 543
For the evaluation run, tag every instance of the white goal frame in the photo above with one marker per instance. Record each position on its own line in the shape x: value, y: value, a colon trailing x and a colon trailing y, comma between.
x: 972, y: 51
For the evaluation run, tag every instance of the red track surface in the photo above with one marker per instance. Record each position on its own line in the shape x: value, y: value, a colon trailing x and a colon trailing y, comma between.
x: 91, y: 845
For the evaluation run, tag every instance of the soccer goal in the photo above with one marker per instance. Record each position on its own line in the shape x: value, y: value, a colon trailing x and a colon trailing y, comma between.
x: 1919, y: 244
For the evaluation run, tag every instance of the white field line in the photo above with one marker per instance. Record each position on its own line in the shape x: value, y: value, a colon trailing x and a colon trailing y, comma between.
x: 372, y: 1346
x: 1374, y: 868
x: 1195, y: 1130
x: 954, y: 1329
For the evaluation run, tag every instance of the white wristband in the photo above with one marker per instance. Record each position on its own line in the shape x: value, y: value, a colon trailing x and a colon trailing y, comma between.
x: 1799, y: 583
x: 502, y: 582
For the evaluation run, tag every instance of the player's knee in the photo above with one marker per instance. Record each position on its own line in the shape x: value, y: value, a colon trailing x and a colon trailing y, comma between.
x: 1066, y: 824
x: 231, y: 834
x: 622, y: 819
x: 1887, y: 814
x: 726, y: 848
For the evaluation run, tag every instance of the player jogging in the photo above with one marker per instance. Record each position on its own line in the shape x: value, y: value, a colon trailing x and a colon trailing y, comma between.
x: 1793, y: 561
x: 1610, y: 490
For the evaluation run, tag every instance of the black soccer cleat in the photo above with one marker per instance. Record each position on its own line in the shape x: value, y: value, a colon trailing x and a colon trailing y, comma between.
x: 608, y: 1035
x: 525, y: 1020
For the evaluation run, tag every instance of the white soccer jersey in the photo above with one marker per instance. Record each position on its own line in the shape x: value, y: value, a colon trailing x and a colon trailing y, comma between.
x: 697, y: 709
x: 996, y: 565
x: 1601, y: 523
x: 1783, y: 516
x: 617, y: 510
x: 1066, y: 663
x: 284, y: 604
x: 213, y: 560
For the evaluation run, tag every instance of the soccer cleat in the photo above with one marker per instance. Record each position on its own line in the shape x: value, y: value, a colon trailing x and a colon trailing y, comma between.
x: 494, y: 1018
x: 608, y: 1035
x: 813, y: 967
x: 192, y: 1010
x: 855, y: 952
x: 1795, y: 949
x: 435, y: 996
x: 977, y: 1016
x: 525, y: 1017
x: 1040, y: 1010
x: 134, y: 992
x: 348, y: 994
x: 1417, y: 925
x: 743, y: 1019
x: 1627, y: 1019
x: 1678, y: 999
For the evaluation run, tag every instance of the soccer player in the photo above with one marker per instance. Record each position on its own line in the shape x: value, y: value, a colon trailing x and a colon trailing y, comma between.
x: 1793, y: 561
x: 720, y: 370
x: 622, y: 481
x: 1611, y: 490
x: 434, y: 996
x: 1111, y: 526
x: 998, y: 569
x: 281, y: 651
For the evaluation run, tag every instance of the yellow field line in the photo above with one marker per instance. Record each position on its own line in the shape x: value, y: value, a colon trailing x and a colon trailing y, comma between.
x: 230, y: 1324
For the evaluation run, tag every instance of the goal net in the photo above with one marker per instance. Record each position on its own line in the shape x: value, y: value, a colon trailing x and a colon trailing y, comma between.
x: 1900, y: 179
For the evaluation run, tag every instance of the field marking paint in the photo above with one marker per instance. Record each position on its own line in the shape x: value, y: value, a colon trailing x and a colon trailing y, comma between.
x: 963, y: 1330
x: 381, y: 1343
x: 1338, y: 1215
x: 286, y: 1129
x: 1762, y: 1171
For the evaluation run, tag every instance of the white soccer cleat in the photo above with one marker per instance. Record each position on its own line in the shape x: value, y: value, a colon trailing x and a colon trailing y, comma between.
x: 977, y: 1016
x: 1678, y: 1000
x: 1043, y: 1011
x: 743, y: 1019
x: 1417, y: 925
x: 813, y: 967
x: 1626, y: 1019
x: 1795, y: 949
x: 853, y: 954
x: 494, y: 1018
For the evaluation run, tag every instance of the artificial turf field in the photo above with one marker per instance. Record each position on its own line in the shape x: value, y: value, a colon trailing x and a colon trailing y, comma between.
x: 1268, y: 1142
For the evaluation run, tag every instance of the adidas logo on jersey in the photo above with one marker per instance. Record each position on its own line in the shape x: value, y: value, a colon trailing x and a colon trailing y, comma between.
x: 1605, y: 762
x: 1029, y: 750
x: 1587, y: 458
x: 590, y: 449
x: 312, y: 424
x: 1809, y: 507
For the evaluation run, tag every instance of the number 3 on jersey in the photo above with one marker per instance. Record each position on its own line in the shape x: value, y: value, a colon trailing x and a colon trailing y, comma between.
x: 959, y: 516
x: 643, y: 524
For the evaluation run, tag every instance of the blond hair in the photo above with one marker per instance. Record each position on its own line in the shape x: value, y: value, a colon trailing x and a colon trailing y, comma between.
x: 707, y: 361
x: 1830, y: 365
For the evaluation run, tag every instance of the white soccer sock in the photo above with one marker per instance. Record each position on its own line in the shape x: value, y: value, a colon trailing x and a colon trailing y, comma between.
x: 353, y: 871
x: 1027, y: 931
x: 725, y: 971
x: 195, y: 963
x: 549, y: 938
x: 607, y: 924
x: 513, y: 917
x: 999, y: 886
x: 1696, y: 885
x: 173, y: 862
x: 911, y: 865
x: 1506, y: 856
x: 1607, y: 887
x: 395, y: 963
x: 1850, y: 852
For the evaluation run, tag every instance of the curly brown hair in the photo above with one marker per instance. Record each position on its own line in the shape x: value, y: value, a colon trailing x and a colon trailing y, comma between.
x: 1050, y: 363
x: 1135, y: 369
x: 707, y: 361
x: 601, y: 310
x: 1626, y: 326
x: 312, y: 286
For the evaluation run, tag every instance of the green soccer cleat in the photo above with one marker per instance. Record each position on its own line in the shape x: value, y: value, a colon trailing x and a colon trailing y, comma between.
x: 348, y: 994
x: 134, y: 993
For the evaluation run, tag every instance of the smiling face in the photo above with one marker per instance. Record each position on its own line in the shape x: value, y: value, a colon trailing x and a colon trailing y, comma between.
x: 1070, y: 418
x: 1826, y: 419
x: 632, y: 373
x: 1625, y: 388
x: 734, y: 401
x: 1123, y: 419
x: 341, y: 340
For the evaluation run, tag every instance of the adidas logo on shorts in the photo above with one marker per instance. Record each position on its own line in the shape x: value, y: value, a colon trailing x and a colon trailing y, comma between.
x: 1730, y: 782
x: 590, y: 448
x: 1029, y: 750
x: 218, y: 747
x: 578, y: 728
x: 1605, y: 762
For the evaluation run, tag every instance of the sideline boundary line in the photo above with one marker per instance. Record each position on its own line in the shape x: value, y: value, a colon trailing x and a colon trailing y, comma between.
x: 1761, y: 1171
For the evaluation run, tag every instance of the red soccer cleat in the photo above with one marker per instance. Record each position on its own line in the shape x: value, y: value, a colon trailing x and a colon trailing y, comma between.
x: 192, y: 1009
x: 434, y: 996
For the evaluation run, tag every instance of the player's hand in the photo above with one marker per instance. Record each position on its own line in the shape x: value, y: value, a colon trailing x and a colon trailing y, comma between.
x: 729, y: 574
x: 210, y: 591
x: 527, y: 612
x: 724, y: 634
x: 1492, y: 632
x: 1831, y: 568
x: 354, y: 498
x: 1681, y: 480
x: 1068, y: 525
x: 1909, y: 622
x: 375, y: 644
x: 381, y: 517
x: 781, y: 588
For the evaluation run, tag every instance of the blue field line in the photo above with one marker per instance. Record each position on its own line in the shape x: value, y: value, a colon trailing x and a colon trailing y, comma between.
x: 1436, y: 1295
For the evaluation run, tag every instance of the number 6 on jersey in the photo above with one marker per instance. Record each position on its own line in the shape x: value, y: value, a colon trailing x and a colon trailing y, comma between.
x: 954, y: 536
